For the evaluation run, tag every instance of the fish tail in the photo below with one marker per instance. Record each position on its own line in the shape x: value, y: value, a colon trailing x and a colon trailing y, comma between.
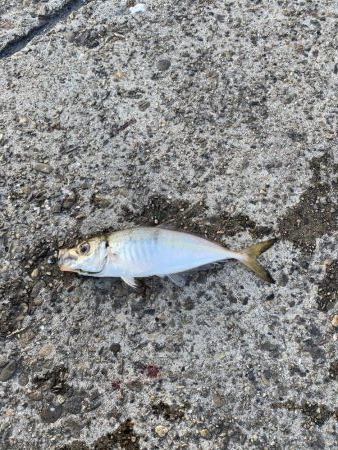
x: 248, y: 257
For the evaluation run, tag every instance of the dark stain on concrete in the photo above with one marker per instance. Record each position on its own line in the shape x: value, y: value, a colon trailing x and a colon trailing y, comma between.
x: 16, y: 294
x: 328, y: 288
x: 333, y: 370
x: 193, y: 218
x: 169, y: 412
x: 317, y: 414
x: 316, y: 212
x: 123, y: 437
x: 54, y: 380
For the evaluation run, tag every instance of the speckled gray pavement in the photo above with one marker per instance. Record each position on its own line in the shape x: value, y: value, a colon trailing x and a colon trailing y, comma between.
x: 220, y: 116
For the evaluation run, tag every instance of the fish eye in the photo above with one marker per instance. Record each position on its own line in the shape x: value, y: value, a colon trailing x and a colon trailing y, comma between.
x: 84, y: 248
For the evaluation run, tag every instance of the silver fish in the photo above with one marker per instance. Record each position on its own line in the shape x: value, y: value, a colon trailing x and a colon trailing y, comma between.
x: 147, y: 251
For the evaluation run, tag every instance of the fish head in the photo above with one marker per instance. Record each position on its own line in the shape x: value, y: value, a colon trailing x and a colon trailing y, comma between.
x: 87, y: 258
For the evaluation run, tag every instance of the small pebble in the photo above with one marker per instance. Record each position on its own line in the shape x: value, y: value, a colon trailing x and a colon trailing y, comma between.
x: 218, y: 400
x: 163, y: 65
x: 35, y: 273
x: 92, y: 403
x: 27, y: 337
x: 335, y: 320
x: 8, y: 371
x: 161, y: 431
x: 35, y: 396
x: 139, y: 8
x: 23, y: 121
x: 143, y: 105
x: 118, y: 76
x: 42, y: 11
x: 77, y: 294
x: 59, y: 399
x: 102, y: 201
x: 3, y: 361
x: 43, y: 168
x: 38, y: 301
x: 189, y: 304
x: 23, y: 379
x: 115, y: 348
x: 69, y: 201
x: 56, y: 208
x: 328, y: 262
x: 70, y: 36
x: 204, y: 433
x: 47, y: 351
x: 37, y: 288
x: 51, y: 413
x: 73, y: 404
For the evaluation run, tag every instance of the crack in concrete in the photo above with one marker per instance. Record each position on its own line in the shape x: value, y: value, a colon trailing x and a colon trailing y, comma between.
x: 48, y: 23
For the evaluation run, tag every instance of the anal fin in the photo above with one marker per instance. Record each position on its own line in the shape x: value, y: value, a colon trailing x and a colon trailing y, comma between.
x: 179, y: 279
x: 206, y: 267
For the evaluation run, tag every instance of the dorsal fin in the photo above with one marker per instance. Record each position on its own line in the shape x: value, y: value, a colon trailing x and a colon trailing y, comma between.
x: 169, y: 225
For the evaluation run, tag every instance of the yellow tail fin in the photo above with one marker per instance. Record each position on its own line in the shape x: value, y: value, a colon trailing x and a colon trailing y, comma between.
x: 250, y: 254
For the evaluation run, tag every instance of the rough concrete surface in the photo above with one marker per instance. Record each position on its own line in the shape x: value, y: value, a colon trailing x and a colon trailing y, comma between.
x: 222, y: 116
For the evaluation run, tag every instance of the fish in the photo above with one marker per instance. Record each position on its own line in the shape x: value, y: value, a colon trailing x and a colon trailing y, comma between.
x: 161, y: 251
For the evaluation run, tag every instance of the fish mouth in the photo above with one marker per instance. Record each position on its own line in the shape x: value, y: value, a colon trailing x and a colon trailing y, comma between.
x: 65, y: 268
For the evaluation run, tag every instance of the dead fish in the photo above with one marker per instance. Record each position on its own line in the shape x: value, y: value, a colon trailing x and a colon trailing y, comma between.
x: 147, y: 251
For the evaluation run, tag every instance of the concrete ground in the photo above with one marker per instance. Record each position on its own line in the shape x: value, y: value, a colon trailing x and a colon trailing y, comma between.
x: 222, y: 116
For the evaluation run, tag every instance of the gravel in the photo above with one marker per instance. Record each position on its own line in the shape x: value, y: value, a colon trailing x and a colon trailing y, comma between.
x: 219, y: 117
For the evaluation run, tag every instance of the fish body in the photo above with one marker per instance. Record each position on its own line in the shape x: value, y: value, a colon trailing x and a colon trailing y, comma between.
x: 147, y: 251
x: 143, y: 252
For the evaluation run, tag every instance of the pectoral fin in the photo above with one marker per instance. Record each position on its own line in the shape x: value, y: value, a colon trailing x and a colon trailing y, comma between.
x: 130, y: 281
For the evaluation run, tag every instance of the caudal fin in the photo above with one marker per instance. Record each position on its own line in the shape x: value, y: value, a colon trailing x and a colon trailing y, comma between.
x: 249, y: 255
